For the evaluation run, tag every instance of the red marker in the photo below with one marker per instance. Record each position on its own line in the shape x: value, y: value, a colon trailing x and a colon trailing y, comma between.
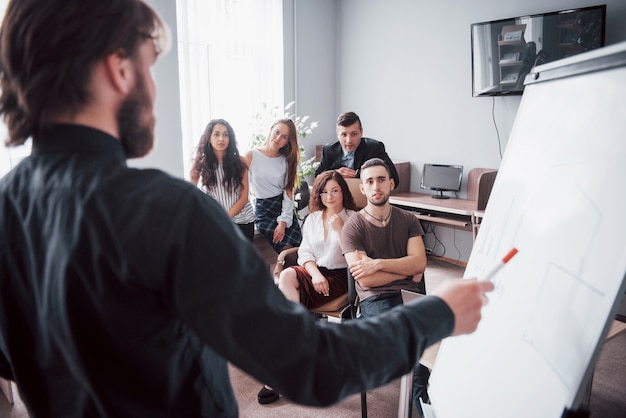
x: 496, y: 267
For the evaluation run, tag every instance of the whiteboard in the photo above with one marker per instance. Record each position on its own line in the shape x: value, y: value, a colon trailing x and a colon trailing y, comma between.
x: 560, y: 199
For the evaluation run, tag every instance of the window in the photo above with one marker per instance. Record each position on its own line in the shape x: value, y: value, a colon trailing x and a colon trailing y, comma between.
x: 11, y: 156
x: 230, y: 62
x: 230, y: 65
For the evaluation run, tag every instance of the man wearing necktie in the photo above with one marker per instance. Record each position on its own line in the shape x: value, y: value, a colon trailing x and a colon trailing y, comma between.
x: 351, y: 150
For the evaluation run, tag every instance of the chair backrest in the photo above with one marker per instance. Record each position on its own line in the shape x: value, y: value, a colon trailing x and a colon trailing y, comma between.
x: 479, y: 184
x: 304, y: 195
x: 359, y: 198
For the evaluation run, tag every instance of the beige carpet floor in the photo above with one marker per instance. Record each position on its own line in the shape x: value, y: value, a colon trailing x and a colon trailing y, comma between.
x: 608, y: 395
x: 381, y: 402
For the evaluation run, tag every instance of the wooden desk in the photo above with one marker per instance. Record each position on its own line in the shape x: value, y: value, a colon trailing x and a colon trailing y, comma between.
x: 458, y: 213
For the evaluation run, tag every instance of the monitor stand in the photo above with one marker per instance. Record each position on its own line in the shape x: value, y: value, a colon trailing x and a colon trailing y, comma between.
x: 440, y: 196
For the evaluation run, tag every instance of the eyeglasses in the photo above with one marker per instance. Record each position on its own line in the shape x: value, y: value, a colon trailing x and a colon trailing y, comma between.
x: 155, y: 41
x: 332, y: 193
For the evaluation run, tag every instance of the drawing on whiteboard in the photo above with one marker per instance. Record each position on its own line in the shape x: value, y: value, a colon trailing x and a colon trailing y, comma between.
x: 558, y: 313
x: 543, y: 326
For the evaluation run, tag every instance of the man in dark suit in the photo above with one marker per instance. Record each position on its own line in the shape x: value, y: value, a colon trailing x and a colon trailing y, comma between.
x: 351, y: 150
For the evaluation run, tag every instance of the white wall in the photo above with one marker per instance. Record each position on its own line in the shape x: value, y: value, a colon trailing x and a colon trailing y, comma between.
x: 402, y: 65
x: 167, y: 154
x: 405, y: 67
x: 310, y: 41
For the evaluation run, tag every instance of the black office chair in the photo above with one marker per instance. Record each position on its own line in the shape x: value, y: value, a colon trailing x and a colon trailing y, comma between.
x: 351, y: 313
x: 344, y: 307
x: 339, y: 307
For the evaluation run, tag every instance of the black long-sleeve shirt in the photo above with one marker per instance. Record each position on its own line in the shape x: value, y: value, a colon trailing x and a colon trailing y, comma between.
x: 123, y: 292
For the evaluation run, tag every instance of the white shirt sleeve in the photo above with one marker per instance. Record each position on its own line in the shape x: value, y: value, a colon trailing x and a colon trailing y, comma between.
x: 286, y: 214
x: 325, y: 253
x: 306, y: 251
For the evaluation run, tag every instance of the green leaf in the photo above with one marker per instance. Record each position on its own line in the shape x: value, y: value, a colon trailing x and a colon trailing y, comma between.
x: 264, y: 118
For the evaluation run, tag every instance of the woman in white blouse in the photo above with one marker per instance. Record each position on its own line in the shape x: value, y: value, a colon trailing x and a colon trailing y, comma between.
x: 322, y: 272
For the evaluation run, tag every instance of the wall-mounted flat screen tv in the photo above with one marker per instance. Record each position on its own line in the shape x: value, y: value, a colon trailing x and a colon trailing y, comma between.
x: 442, y: 178
x: 504, y: 51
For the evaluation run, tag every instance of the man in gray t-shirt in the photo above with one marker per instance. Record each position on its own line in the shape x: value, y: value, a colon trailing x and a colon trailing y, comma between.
x: 384, y: 249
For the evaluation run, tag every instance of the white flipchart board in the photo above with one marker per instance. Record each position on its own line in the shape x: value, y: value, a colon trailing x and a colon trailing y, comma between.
x: 560, y: 199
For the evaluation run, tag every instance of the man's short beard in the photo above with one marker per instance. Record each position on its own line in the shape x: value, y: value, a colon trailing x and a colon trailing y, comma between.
x: 136, y: 133
x: 381, y: 203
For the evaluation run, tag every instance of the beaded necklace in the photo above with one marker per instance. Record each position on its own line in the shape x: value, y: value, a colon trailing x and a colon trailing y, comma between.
x: 383, y: 221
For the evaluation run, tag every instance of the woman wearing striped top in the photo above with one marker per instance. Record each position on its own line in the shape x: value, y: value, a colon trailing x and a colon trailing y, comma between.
x: 222, y: 173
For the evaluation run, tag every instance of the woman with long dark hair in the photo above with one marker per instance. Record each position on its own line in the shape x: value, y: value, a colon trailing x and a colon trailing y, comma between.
x: 222, y: 173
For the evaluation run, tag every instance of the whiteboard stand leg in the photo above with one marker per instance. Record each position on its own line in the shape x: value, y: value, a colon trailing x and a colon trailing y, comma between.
x: 575, y: 414
x: 406, y: 388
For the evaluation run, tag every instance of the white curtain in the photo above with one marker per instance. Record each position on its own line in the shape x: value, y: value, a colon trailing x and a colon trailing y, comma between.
x: 534, y: 30
x: 230, y: 62
x: 483, y: 61
x: 9, y: 157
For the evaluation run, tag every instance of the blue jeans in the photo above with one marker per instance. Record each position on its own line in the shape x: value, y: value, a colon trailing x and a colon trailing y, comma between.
x: 375, y: 305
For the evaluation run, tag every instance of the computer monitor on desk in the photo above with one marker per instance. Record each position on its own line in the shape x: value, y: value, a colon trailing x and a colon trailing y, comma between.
x: 442, y: 178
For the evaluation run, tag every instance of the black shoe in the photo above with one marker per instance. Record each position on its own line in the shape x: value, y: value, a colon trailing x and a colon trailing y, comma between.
x: 267, y: 396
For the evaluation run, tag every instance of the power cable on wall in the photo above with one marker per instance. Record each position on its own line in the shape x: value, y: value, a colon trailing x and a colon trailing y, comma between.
x: 430, y: 229
x: 493, y: 117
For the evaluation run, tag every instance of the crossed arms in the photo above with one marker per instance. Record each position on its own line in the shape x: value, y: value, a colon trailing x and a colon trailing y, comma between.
x: 371, y: 272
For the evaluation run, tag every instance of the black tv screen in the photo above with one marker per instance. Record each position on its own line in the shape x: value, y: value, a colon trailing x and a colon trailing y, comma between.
x: 504, y: 51
x: 442, y: 178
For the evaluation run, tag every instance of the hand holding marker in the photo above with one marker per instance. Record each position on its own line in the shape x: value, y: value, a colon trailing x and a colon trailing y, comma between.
x: 496, y: 267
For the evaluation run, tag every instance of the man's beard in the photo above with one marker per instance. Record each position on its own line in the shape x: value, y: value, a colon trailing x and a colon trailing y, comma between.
x: 136, y: 133
x: 381, y: 202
